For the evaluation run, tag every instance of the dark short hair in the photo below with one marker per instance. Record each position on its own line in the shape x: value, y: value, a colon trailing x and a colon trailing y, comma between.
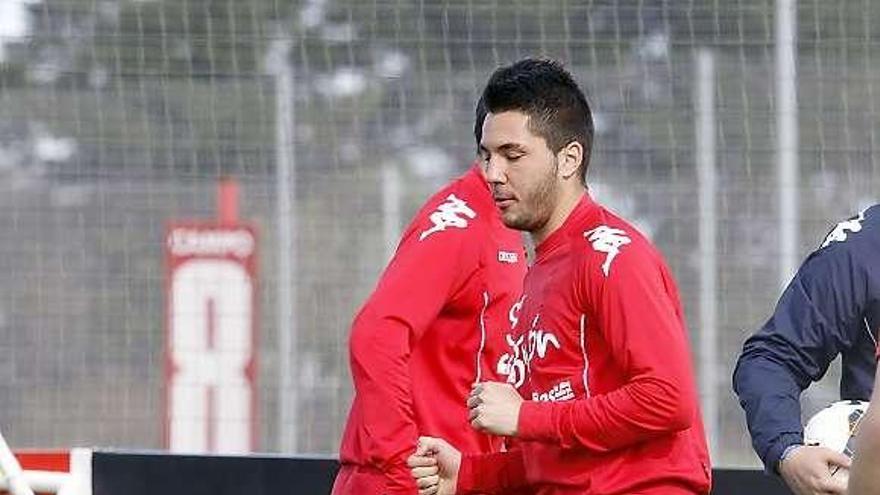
x: 479, y: 117
x: 543, y: 90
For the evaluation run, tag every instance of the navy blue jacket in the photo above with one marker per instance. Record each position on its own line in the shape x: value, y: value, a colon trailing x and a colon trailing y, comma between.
x: 831, y: 307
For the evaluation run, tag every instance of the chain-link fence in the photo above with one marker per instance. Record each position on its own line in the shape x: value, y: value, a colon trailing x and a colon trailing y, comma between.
x: 118, y: 116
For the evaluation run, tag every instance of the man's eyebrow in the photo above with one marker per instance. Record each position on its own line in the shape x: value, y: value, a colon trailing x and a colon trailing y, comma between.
x: 512, y: 147
x: 506, y: 147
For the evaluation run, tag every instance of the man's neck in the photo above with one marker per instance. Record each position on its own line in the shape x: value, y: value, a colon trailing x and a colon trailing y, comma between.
x: 568, y: 200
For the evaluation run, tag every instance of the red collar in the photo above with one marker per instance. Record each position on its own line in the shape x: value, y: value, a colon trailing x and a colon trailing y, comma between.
x: 585, y: 207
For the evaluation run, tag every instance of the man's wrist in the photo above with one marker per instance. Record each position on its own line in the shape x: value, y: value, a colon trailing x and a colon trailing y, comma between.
x: 773, y: 452
x: 785, y: 454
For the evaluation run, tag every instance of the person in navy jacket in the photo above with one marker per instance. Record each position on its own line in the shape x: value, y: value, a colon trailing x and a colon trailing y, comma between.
x: 830, y: 308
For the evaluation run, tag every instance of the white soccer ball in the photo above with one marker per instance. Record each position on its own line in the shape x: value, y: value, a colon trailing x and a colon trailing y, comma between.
x: 835, y: 427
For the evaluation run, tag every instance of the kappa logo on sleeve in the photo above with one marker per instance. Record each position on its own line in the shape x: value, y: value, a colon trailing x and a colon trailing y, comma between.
x: 840, y: 232
x: 454, y: 212
x: 608, y: 240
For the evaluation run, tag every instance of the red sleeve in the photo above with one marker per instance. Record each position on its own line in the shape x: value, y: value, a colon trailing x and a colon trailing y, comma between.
x: 423, y: 275
x: 490, y: 473
x: 635, y: 307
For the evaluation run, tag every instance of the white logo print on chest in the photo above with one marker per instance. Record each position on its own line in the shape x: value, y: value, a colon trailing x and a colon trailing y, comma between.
x: 539, y: 340
x: 449, y: 214
x: 513, y: 314
x: 608, y: 240
x: 536, y: 342
x: 511, y: 364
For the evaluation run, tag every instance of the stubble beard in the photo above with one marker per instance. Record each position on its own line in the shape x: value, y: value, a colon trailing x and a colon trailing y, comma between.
x: 536, y: 207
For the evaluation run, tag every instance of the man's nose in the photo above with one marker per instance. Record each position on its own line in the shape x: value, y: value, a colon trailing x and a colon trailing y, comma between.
x: 495, y: 171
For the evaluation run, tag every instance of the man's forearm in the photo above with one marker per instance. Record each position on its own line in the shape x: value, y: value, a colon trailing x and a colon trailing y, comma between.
x: 382, y: 384
x: 770, y: 398
x: 495, y: 473
x: 865, y: 472
x: 634, y: 413
x: 864, y: 475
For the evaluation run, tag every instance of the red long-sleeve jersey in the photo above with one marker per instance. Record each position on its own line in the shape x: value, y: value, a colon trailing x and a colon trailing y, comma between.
x: 433, y: 326
x: 600, y: 352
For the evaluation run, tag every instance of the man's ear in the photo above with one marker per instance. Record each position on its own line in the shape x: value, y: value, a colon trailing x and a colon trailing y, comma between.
x: 569, y: 159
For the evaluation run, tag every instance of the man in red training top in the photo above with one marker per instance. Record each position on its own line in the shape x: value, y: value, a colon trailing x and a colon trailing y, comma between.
x: 864, y: 475
x: 600, y: 395
x: 432, y: 327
